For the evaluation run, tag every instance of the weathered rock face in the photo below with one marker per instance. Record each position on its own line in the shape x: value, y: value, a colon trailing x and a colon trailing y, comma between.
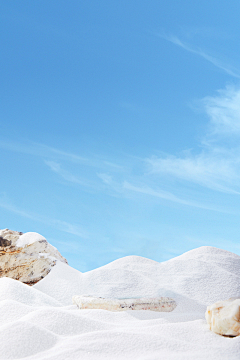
x: 153, y: 304
x: 223, y: 317
x: 26, y: 257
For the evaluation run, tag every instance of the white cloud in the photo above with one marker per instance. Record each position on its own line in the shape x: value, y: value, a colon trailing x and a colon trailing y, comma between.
x: 63, y: 155
x: 41, y: 150
x: 224, y: 111
x: 69, y: 177
x: 216, y: 62
x: 74, y: 229
x: 107, y: 179
x: 69, y: 228
x: 168, y: 196
x: 205, y: 169
x: 217, y: 165
x: 56, y: 167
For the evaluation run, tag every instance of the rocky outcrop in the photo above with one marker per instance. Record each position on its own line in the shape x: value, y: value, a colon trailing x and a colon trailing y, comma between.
x: 154, y: 304
x: 223, y: 317
x: 26, y: 257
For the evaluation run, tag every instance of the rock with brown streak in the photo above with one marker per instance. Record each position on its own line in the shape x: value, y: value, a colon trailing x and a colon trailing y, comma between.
x: 26, y: 257
x: 223, y: 317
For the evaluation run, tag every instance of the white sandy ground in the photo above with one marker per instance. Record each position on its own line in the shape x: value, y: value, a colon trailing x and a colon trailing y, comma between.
x: 40, y: 322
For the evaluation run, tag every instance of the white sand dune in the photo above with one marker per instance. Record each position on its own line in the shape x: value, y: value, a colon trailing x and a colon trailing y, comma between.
x: 40, y: 322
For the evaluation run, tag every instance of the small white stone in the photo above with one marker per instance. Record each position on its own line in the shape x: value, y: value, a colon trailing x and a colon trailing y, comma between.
x: 223, y: 317
x: 154, y: 304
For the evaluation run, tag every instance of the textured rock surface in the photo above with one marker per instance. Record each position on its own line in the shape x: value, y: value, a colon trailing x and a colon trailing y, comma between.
x: 154, y: 304
x: 223, y: 317
x: 26, y: 257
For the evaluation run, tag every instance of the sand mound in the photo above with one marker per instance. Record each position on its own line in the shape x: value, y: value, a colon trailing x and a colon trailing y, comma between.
x: 22, y: 293
x: 202, y: 276
x: 39, y: 322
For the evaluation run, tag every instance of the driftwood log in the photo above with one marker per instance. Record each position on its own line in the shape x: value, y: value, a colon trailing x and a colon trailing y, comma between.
x: 154, y: 304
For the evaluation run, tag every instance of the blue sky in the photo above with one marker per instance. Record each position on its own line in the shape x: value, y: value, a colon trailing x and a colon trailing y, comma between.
x: 120, y: 126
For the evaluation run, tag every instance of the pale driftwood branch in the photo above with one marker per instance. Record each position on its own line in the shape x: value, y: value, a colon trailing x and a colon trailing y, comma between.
x: 154, y: 304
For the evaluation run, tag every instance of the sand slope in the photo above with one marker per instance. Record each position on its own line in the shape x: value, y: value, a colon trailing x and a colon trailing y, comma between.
x: 40, y: 322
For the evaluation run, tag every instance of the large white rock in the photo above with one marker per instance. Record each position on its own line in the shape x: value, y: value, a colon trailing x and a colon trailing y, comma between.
x: 154, y: 304
x: 223, y: 317
x: 26, y: 257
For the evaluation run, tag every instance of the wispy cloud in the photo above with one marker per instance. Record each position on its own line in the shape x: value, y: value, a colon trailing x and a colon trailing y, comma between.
x: 205, y: 169
x: 216, y: 165
x: 43, y: 151
x: 198, y: 51
x: 66, y: 175
x: 90, y: 180
x: 107, y: 179
x: 9, y: 207
x: 53, y: 156
x: 74, y: 229
x: 170, y: 197
x: 92, y: 168
x: 223, y: 111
